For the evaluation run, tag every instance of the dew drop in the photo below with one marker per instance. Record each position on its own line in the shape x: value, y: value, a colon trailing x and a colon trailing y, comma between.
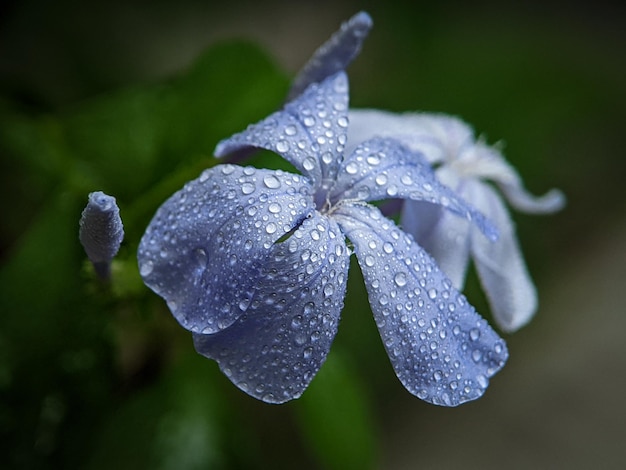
x: 400, y: 279
x: 270, y: 228
x: 482, y: 380
x: 476, y: 355
x: 432, y: 294
x: 328, y: 290
x: 282, y: 146
x: 474, y: 334
x: 352, y: 168
x: 373, y: 159
x: 290, y: 130
x: 381, y: 179
x: 388, y: 248
x: 247, y: 188
x: 369, y: 260
x: 308, y: 164
x: 146, y: 268
x: 274, y: 208
x: 271, y: 181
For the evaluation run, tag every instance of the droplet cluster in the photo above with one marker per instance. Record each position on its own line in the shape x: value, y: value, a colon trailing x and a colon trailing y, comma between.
x: 441, y: 349
x: 385, y: 169
x: 310, y: 132
x: 203, y: 249
x: 277, y: 346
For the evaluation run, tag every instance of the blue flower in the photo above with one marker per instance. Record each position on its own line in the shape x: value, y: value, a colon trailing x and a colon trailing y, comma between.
x: 254, y: 262
x: 467, y: 166
x: 101, y: 231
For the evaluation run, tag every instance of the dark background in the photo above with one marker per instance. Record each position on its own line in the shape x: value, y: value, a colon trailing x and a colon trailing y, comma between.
x: 549, y: 81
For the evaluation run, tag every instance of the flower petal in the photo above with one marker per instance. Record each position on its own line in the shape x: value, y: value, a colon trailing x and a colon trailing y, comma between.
x: 500, y: 265
x: 437, y: 136
x: 334, y: 55
x: 440, y: 348
x: 203, y: 248
x: 523, y: 201
x: 443, y: 235
x: 383, y: 168
x: 274, y: 350
x: 310, y: 132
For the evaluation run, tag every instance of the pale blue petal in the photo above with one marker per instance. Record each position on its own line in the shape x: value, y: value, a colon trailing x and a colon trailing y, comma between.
x: 334, y: 55
x: 443, y: 235
x: 275, y: 349
x: 437, y: 136
x: 382, y: 168
x: 203, y: 250
x: 440, y: 348
x: 500, y: 265
x: 101, y: 231
x: 310, y: 132
x: 522, y: 200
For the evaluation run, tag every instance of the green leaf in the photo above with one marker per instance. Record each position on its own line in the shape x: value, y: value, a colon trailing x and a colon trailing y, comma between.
x: 334, y: 414
x: 177, y: 423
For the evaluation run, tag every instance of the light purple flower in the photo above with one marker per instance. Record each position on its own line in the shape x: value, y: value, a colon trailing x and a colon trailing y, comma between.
x: 467, y: 166
x: 254, y: 262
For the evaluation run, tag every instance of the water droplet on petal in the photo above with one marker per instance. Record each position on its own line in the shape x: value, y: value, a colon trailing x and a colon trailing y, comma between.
x: 271, y: 181
x: 352, y: 168
x: 474, y: 334
x: 381, y: 179
x: 270, y: 228
x: 369, y: 260
x: 476, y: 355
x: 247, y: 188
x: 308, y: 164
x: 274, y: 208
x: 146, y: 268
x: 373, y: 159
x: 282, y: 146
x: 387, y: 247
x: 400, y: 279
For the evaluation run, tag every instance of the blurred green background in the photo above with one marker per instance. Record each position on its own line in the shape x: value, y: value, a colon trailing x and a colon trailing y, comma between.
x: 130, y: 97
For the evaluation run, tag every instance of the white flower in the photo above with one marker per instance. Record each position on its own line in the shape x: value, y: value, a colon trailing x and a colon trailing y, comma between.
x: 467, y: 166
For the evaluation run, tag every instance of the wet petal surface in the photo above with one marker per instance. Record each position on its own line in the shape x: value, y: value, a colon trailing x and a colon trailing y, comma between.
x: 383, y: 169
x: 203, y: 250
x: 274, y: 350
x: 334, y: 55
x: 440, y: 348
x: 310, y: 132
